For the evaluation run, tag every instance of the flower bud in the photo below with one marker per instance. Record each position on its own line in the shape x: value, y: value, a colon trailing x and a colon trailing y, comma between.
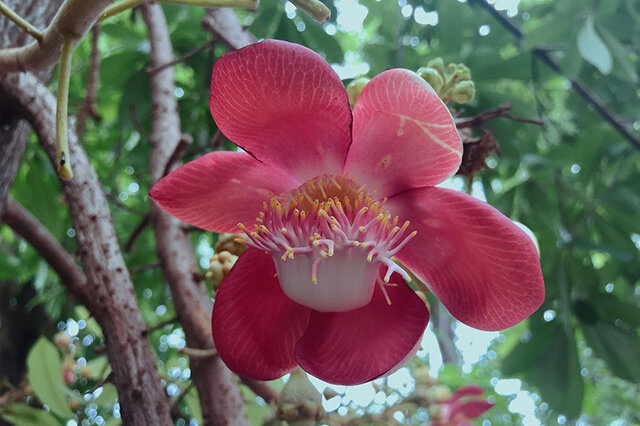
x: 437, y: 64
x: 433, y: 77
x: 232, y: 243
x: 62, y: 340
x: 354, y: 88
x: 300, y: 403
x: 464, y: 92
x: 219, y: 266
x: 68, y: 371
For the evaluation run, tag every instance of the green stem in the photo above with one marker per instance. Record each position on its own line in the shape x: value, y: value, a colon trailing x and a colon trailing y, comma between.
x: 64, y: 74
x: 314, y: 8
x: 21, y: 22
x: 129, y: 4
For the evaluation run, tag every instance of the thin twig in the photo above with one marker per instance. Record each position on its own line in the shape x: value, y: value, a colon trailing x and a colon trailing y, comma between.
x: 185, y: 141
x: 144, y: 268
x: 20, y: 21
x: 123, y: 206
x: 136, y: 233
x: 101, y: 383
x: 501, y: 111
x: 160, y: 325
x: 154, y: 69
x: 198, y: 353
x: 89, y: 107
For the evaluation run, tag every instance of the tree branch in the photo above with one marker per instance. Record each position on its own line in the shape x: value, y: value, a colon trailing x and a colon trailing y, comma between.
x: 501, y: 111
x: 576, y: 84
x: 74, y: 19
x: 141, y: 395
x: 224, y: 25
x: 220, y: 397
x: 89, y: 108
x: 28, y: 227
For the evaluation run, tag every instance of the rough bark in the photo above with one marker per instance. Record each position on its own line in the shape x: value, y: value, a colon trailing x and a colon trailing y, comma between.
x: 220, y: 398
x: 224, y: 25
x: 142, y: 398
x: 14, y: 132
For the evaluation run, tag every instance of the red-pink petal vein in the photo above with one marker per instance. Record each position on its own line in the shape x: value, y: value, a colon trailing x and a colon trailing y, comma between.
x: 353, y: 347
x: 220, y: 189
x: 483, y: 267
x: 284, y: 104
x: 403, y: 135
x: 255, y: 325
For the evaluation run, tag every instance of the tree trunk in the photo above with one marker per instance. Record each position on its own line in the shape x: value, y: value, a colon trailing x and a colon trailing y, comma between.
x: 142, y: 398
x: 220, y: 398
x: 14, y: 132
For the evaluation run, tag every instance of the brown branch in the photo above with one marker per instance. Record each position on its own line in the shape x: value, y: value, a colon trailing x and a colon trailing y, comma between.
x: 128, y: 246
x: 15, y: 395
x: 144, y: 268
x: 154, y: 69
x: 501, y: 111
x: 35, y: 233
x: 262, y: 389
x: 74, y: 19
x: 89, y: 108
x: 224, y: 25
x: 577, y: 85
x: 159, y: 325
x: 220, y: 397
x: 140, y: 392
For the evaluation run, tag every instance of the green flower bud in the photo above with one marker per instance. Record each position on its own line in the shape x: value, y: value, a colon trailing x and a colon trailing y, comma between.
x: 437, y: 64
x: 433, y: 77
x: 464, y: 92
x: 354, y: 88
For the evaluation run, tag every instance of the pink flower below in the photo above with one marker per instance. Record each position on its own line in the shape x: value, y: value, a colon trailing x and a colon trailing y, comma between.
x: 329, y: 199
x: 465, y: 404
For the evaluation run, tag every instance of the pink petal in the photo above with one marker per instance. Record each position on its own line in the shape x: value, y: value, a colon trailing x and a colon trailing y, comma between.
x: 471, y: 409
x: 349, y: 348
x: 220, y: 189
x: 403, y: 135
x: 478, y: 262
x: 467, y: 390
x: 284, y: 104
x: 255, y: 326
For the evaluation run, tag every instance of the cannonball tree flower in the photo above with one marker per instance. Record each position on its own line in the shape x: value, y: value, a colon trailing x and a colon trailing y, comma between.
x: 328, y: 198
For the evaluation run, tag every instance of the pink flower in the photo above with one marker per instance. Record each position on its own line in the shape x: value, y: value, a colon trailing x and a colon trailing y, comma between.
x: 462, y: 407
x: 328, y: 199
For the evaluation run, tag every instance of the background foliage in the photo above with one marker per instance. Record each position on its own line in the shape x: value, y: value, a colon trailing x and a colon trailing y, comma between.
x: 574, y: 182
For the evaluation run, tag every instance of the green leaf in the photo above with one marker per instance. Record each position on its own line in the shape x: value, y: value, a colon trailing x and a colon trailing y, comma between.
x: 318, y: 39
x: 557, y: 374
x: 592, y: 48
x: 99, y: 367
x: 193, y: 405
x: 19, y: 414
x: 44, y: 370
x: 619, y: 347
x: 108, y: 396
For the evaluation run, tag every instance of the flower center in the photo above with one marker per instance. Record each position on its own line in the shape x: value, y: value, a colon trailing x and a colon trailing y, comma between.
x: 328, y: 239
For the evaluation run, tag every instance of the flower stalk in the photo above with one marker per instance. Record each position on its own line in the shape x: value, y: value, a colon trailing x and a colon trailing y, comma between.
x: 130, y: 4
x: 63, y: 160
x: 314, y: 8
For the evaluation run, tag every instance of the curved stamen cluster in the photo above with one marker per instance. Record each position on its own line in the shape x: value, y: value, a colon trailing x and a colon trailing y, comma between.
x: 326, y: 215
